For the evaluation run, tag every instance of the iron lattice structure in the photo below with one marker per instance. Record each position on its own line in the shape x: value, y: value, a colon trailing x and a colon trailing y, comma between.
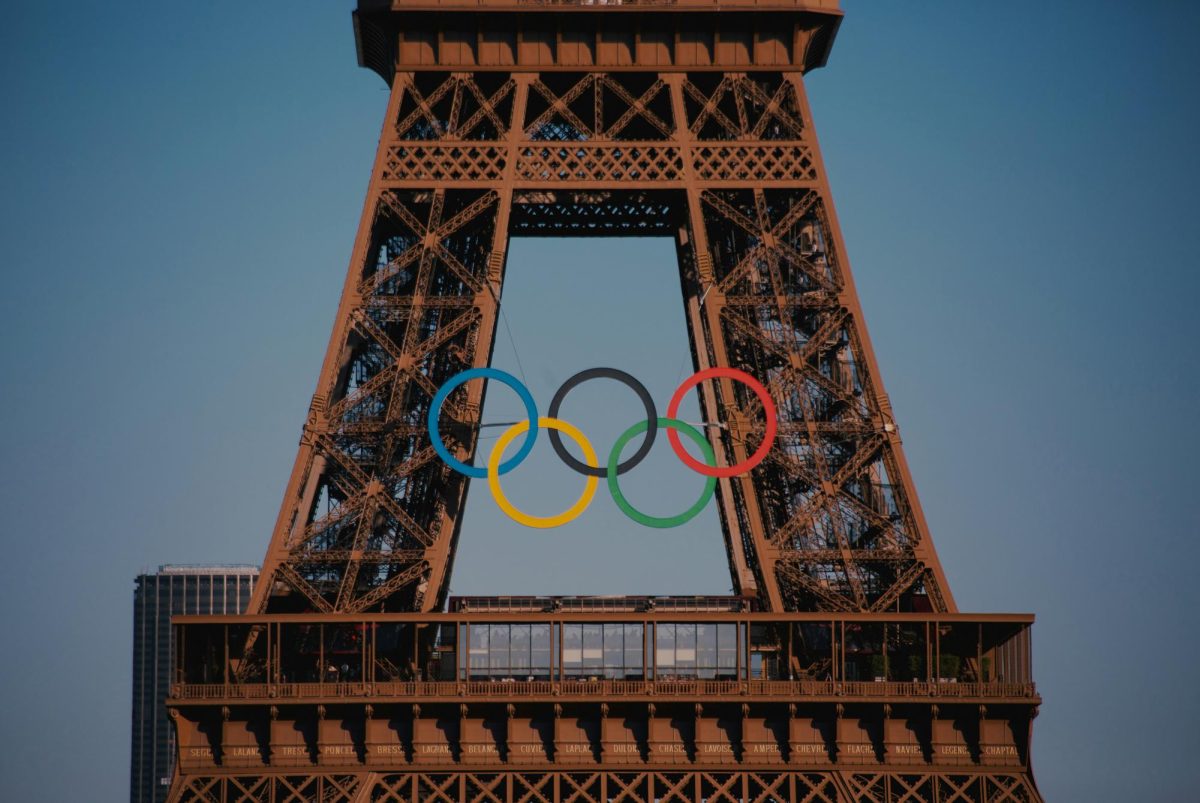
x: 724, y: 161
x: 666, y: 787
x: 681, y: 118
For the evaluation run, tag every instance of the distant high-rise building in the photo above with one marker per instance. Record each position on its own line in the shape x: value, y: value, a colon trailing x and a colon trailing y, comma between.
x: 157, y: 597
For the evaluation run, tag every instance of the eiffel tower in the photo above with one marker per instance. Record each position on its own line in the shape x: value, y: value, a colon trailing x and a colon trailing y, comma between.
x: 840, y: 670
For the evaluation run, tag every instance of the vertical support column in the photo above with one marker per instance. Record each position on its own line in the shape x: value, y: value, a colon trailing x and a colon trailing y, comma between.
x: 300, y: 494
x: 936, y: 584
x: 701, y: 304
x: 441, y: 559
x: 394, y: 514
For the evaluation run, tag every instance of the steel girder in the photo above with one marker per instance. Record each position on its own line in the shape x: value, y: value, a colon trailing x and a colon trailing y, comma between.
x: 899, y: 785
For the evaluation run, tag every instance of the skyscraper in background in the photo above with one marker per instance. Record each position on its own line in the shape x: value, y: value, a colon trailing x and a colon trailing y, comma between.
x: 156, y: 598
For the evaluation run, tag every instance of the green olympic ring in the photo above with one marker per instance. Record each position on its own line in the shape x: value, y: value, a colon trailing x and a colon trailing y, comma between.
x: 660, y: 522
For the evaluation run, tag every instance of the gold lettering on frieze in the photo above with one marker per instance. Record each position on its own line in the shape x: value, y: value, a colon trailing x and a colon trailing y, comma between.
x: 290, y: 750
x: 860, y: 749
x: 337, y: 750
x: 716, y: 748
x: 622, y: 747
x: 808, y: 748
x: 669, y: 748
x: 242, y: 751
x: 442, y: 749
x: 200, y: 752
x: 766, y: 748
x: 953, y: 749
x: 388, y: 749
x: 575, y: 747
x: 906, y: 749
x: 999, y: 750
x: 530, y: 748
x: 481, y: 748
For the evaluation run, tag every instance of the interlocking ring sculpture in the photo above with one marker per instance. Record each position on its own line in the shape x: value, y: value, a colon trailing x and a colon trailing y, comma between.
x: 590, y: 466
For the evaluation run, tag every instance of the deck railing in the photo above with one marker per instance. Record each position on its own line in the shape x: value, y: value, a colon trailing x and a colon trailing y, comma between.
x: 608, y: 689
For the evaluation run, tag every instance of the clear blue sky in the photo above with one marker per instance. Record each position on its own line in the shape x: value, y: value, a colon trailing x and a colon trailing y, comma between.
x: 179, y: 189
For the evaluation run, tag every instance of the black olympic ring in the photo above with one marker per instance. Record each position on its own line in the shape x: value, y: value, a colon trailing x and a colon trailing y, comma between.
x: 630, y: 382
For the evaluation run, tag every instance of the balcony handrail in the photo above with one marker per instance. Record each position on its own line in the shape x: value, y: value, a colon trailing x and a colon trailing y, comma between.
x: 598, y: 688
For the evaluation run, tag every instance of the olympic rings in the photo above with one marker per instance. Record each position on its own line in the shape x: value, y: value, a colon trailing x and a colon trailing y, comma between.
x: 544, y: 522
x: 625, y: 379
x: 768, y: 412
x: 613, y: 467
x: 436, y: 406
x: 629, y: 510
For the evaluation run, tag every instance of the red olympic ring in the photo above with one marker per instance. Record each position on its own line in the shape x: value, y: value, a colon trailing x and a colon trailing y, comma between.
x: 768, y: 410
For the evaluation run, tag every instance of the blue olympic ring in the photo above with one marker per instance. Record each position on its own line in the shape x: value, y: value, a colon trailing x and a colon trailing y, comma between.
x: 480, y: 472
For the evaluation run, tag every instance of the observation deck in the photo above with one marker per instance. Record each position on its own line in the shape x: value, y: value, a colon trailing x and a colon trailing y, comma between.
x: 640, y: 680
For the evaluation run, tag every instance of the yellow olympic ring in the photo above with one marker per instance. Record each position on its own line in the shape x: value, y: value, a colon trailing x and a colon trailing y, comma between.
x: 543, y: 522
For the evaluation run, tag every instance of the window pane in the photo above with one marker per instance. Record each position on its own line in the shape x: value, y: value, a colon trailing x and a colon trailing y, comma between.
x: 540, y: 650
x: 664, y: 647
x: 518, y: 649
x: 706, y: 651
x: 572, y: 650
x: 727, y: 647
x: 633, y: 650
x: 498, y: 649
x: 614, y: 651
x: 479, y: 649
x: 685, y: 648
x: 593, y: 646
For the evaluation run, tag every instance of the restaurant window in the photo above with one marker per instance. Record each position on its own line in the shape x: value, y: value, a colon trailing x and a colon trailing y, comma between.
x: 593, y: 649
x: 706, y: 651
x: 664, y: 650
x: 687, y: 651
x: 572, y: 650
x: 498, y: 656
x: 634, y: 647
x: 614, y: 651
x: 727, y: 647
x: 539, y: 651
x: 480, y: 669
x: 518, y: 651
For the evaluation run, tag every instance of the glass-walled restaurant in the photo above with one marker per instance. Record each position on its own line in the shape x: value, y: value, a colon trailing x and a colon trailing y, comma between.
x: 599, y: 650
x: 492, y: 648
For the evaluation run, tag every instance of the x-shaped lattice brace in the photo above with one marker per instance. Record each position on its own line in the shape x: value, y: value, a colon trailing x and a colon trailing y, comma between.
x: 200, y: 789
x: 1001, y: 788
x: 635, y: 107
x: 869, y: 788
x: 911, y: 788
x: 393, y: 789
x: 633, y: 790
x: 539, y: 790
x: 953, y: 788
x: 584, y: 790
x: 673, y: 787
x: 484, y: 788
x: 450, y: 125
x: 778, y: 106
x: 434, y: 788
x: 820, y: 788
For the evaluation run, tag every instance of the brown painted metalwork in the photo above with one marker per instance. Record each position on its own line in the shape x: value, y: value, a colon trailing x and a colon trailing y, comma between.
x: 684, y: 118
x: 704, y: 695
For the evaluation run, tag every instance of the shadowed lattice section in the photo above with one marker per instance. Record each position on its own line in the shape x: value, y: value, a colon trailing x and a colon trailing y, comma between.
x: 549, y: 786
